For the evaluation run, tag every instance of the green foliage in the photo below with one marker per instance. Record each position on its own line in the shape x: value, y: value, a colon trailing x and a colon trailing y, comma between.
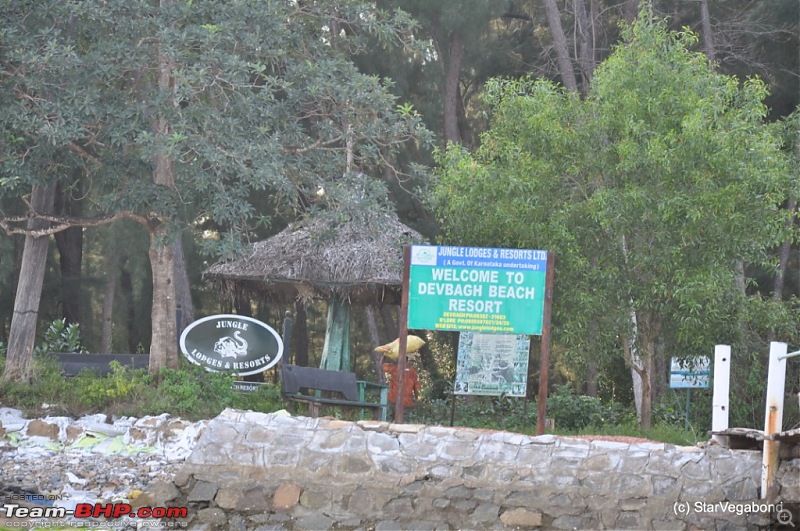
x: 570, y: 412
x: 48, y: 387
x: 648, y: 192
x: 266, y: 399
x: 260, y: 98
x: 191, y: 388
x: 61, y: 337
x: 122, y: 384
x: 189, y: 392
x: 573, y: 412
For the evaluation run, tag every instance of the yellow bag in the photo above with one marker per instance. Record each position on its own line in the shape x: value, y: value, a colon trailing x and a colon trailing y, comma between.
x: 392, y: 350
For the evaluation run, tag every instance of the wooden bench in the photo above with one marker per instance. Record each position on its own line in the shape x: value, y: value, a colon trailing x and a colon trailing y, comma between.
x: 317, y: 387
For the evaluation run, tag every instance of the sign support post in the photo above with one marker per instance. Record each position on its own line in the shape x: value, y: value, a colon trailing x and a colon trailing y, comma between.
x: 402, y: 323
x: 544, y: 358
x: 773, y: 416
x: 688, y: 408
x: 721, y: 393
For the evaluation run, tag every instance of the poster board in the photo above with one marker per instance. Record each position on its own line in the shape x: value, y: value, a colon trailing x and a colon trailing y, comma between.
x: 492, y: 364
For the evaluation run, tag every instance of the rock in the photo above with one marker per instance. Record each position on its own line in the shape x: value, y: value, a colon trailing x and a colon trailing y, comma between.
x: 317, y: 522
x: 287, y: 495
x: 212, y: 516
x: 158, y: 494
x: 40, y: 428
x: 203, y: 491
x: 521, y: 518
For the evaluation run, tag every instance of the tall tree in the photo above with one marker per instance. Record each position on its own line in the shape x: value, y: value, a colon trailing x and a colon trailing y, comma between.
x: 662, y: 177
x: 457, y: 29
x: 176, y: 111
x: 29, y: 289
x: 565, y: 67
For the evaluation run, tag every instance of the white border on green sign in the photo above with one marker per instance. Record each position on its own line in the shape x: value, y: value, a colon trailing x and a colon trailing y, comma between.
x: 477, y: 289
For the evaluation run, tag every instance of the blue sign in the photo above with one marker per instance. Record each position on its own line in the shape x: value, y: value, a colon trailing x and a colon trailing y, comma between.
x: 688, y: 375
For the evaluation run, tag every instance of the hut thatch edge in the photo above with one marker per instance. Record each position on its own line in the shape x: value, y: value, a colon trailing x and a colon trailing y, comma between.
x: 359, y: 261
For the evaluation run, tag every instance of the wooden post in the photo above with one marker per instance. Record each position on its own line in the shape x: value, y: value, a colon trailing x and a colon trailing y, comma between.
x: 544, y: 358
x: 773, y: 417
x: 721, y: 394
x: 402, y: 323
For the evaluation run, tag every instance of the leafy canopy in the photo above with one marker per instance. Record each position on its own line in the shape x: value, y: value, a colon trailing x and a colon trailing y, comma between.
x: 239, y: 96
x: 648, y: 191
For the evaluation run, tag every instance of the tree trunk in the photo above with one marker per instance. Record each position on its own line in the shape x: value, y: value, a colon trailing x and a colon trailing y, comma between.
x: 630, y: 10
x: 586, y: 45
x: 112, y: 277
x: 786, y: 247
x: 164, y: 339
x: 22, y: 336
x: 646, y: 418
x: 563, y: 60
x: 660, y: 378
x: 708, y: 35
x: 389, y: 323
x: 372, y: 327
x: 70, y: 252
x: 591, y: 375
x: 164, y: 336
x: 634, y: 361
x: 637, y: 359
x: 300, y: 334
x: 183, y: 292
x: 451, y: 92
x: 780, y: 274
x: 464, y: 128
x: 241, y: 303
x: 126, y: 289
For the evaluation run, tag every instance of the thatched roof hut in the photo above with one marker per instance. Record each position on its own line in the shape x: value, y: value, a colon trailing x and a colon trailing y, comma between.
x: 359, y: 262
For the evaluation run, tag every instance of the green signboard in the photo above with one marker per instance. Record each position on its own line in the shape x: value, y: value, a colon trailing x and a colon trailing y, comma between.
x: 478, y: 289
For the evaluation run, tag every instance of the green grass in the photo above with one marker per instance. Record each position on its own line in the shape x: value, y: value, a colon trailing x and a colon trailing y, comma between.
x: 189, y: 392
x: 660, y: 432
x: 573, y: 414
x: 192, y: 393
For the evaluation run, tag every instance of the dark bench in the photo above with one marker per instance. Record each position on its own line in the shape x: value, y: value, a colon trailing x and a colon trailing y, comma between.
x: 71, y: 363
x: 317, y: 387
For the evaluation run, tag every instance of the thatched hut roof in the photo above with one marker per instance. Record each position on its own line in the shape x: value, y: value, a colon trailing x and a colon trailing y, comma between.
x: 359, y: 261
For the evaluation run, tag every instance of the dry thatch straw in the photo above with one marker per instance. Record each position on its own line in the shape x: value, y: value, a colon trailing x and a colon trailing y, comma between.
x: 358, y: 261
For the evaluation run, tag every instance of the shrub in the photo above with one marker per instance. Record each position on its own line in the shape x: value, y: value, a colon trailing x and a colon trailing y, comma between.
x: 122, y: 384
x: 573, y: 412
x: 60, y: 337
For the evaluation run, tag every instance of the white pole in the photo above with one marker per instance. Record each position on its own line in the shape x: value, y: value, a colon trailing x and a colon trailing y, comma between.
x: 722, y: 386
x: 773, y: 417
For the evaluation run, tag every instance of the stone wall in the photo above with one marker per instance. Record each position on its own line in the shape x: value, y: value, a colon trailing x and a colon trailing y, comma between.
x: 256, y: 471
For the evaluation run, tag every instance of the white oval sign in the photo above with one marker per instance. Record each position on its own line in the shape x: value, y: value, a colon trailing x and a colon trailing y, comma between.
x: 235, y: 343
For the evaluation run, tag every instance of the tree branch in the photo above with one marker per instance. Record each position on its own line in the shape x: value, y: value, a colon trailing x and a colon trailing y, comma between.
x: 62, y: 223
